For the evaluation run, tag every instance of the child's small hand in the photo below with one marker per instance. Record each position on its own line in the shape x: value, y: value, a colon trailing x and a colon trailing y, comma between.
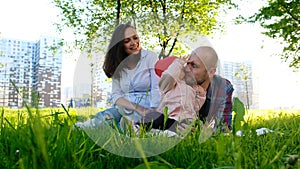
x: 199, y: 90
x: 205, y: 84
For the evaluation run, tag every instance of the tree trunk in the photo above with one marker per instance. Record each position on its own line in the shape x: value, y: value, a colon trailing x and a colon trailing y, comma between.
x: 118, y: 12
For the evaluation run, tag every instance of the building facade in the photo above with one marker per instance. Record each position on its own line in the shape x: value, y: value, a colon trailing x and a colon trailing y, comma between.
x: 241, y: 76
x: 101, y: 84
x: 30, y: 72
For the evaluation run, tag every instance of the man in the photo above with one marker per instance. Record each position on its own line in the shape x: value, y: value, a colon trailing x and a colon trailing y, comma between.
x: 217, y: 109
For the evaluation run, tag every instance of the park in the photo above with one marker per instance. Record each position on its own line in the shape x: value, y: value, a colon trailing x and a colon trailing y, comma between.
x: 34, y: 136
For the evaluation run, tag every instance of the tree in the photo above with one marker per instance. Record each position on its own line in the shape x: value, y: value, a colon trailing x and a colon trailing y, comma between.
x: 243, y: 74
x: 281, y: 19
x: 162, y: 20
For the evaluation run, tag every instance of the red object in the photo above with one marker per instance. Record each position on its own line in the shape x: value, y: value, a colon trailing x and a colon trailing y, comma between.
x: 162, y: 64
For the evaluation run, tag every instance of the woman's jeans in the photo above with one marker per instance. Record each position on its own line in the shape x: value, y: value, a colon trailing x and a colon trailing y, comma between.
x: 111, y: 116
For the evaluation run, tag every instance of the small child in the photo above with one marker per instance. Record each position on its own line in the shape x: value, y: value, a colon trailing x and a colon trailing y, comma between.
x: 181, y: 99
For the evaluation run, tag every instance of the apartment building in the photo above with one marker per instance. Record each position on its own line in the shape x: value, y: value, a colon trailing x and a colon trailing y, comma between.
x: 30, y: 70
x: 241, y: 76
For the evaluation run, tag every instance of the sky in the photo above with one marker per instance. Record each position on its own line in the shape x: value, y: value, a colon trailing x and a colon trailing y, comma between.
x: 278, y: 85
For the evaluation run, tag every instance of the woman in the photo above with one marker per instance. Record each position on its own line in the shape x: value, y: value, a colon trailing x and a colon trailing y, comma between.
x: 134, y: 82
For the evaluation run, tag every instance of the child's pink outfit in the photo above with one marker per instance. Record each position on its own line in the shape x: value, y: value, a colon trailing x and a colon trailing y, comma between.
x: 182, y: 100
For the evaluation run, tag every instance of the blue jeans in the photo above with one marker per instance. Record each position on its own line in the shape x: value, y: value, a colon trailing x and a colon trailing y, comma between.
x: 112, y: 116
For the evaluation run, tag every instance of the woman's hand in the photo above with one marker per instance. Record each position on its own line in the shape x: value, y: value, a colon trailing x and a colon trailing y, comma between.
x: 132, y: 106
x: 142, y: 110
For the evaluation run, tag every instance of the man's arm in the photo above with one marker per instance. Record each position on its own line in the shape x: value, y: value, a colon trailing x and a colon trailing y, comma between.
x: 220, y: 107
x: 227, y: 112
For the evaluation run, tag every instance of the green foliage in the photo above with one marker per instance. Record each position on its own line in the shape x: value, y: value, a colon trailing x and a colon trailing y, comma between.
x: 153, y: 164
x: 239, y: 112
x: 281, y: 19
x: 161, y: 22
x: 46, y: 140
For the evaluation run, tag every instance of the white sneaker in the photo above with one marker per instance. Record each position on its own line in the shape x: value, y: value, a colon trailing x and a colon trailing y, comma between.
x: 167, y: 133
x: 87, y: 124
x: 77, y: 125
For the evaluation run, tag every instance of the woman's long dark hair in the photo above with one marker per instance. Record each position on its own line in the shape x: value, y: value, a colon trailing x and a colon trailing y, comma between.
x: 115, y: 52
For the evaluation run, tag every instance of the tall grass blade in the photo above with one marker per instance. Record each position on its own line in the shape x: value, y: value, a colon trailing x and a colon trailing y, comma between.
x: 239, y: 109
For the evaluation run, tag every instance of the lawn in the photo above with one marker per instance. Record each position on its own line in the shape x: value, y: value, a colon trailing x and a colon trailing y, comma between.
x: 45, y: 138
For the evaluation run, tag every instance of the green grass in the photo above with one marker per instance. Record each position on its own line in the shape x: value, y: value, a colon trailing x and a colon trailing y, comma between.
x: 34, y: 139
